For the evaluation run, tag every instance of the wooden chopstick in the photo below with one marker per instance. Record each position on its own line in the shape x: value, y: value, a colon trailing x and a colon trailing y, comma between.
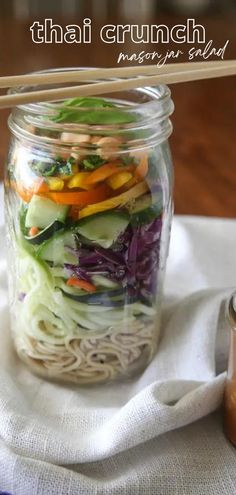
x: 70, y: 76
x: 171, y: 75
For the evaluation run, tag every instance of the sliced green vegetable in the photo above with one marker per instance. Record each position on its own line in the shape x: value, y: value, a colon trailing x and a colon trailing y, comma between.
x: 101, y: 281
x: 46, y: 233
x: 57, y: 249
x: 42, y: 212
x: 103, y: 228
x: 106, y: 299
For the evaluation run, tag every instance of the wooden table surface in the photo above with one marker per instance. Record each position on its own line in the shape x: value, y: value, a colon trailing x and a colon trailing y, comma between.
x: 204, y: 139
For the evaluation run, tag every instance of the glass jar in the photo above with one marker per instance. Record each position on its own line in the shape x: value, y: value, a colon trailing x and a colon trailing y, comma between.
x: 230, y: 386
x: 88, y: 210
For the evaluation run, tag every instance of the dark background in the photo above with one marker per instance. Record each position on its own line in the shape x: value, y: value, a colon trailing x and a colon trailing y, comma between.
x: 204, y: 139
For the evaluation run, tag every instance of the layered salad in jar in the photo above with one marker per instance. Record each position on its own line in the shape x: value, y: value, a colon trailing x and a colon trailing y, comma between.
x: 87, y: 229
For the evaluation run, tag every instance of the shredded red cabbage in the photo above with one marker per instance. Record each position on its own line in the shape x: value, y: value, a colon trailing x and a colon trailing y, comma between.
x: 132, y: 262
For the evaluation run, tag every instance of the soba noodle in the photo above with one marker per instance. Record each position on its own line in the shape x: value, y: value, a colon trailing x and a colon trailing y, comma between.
x: 74, y: 341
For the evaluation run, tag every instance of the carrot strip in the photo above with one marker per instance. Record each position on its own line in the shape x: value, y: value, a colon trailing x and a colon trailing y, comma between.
x: 74, y: 212
x: 81, y: 284
x: 33, y: 231
x: 142, y: 168
x: 80, y: 198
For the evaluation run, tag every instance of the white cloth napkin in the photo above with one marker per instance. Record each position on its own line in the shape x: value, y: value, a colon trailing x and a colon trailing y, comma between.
x: 140, y: 437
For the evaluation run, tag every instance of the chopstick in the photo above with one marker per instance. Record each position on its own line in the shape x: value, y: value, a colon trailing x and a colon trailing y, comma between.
x: 70, y: 76
x: 170, y: 74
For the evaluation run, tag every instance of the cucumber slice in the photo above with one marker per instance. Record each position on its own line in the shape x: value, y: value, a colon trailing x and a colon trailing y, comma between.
x: 101, y: 281
x: 45, y: 234
x: 146, y: 209
x: 109, y: 298
x: 42, y: 212
x: 101, y: 300
x: 55, y: 249
x: 103, y: 228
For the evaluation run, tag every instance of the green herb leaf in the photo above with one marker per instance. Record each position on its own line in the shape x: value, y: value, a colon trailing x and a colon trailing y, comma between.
x: 44, y: 169
x: 96, y: 115
x: 65, y: 167
x: 51, y: 168
x: 92, y: 162
x: 88, y: 102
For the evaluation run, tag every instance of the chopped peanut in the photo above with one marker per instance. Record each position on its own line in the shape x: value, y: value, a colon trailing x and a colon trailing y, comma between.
x: 55, y: 183
x: 118, y: 180
x: 79, y: 153
x: 108, y: 147
x: 71, y: 137
x: 65, y: 155
x: 95, y: 139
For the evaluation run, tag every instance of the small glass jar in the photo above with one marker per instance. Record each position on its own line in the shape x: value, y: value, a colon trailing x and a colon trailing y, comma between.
x: 88, y: 210
x: 230, y: 386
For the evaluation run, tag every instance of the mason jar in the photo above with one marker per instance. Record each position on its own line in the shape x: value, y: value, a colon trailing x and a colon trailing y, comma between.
x: 88, y: 212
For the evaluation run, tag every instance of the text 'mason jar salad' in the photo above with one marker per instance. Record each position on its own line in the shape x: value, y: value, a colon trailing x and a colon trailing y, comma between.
x: 88, y: 209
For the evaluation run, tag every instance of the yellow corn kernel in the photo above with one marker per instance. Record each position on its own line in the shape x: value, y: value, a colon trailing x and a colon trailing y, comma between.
x: 78, y: 180
x: 55, y: 183
x: 118, y: 180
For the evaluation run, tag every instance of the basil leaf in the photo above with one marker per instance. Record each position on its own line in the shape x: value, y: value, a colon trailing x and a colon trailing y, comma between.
x: 96, y: 115
x: 89, y: 102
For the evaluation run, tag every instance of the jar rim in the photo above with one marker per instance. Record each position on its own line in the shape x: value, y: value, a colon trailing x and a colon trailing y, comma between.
x: 157, y: 95
x: 152, y: 107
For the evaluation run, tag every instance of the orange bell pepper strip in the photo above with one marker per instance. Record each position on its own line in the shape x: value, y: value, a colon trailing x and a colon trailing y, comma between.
x: 40, y: 186
x: 142, y: 168
x: 102, y: 173
x: 81, y: 284
x: 82, y: 198
x: 107, y: 170
x: 25, y: 194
